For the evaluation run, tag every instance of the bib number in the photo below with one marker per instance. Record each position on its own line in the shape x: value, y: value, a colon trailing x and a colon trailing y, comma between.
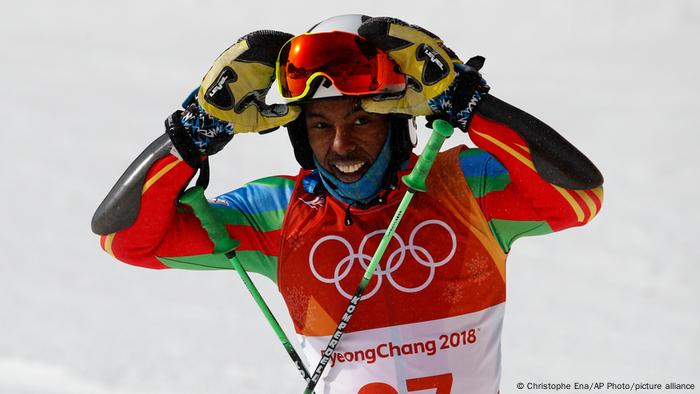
x: 441, y: 383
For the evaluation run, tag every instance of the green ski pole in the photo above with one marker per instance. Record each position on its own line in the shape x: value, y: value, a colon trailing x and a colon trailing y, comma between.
x: 223, y: 243
x: 415, y: 181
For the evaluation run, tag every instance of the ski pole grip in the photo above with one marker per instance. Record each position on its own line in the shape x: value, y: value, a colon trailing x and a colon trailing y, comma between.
x: 416, y: 179
x: 194, y: 197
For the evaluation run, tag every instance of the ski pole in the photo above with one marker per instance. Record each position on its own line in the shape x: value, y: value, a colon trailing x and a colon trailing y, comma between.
x: 415, y: 181
x: 223, y: 243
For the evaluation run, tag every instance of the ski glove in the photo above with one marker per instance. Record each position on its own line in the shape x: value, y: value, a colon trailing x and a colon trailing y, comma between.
x: 459, y: 101
x: 439, y: 85
x: 235, y: 87
x: 195, y: 134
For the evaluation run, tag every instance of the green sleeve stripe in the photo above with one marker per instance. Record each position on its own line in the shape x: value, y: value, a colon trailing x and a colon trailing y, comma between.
x: 483, y: 172
x: 197, y: 262
x: 507, y: 231
x: 483, y: 185
x: 252, y: 261
x: 262, y: 221
x: 471, y: 152
x: 274, y: 181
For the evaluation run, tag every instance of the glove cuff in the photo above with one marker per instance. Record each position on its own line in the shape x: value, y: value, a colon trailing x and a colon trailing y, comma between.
x: 182, y: 140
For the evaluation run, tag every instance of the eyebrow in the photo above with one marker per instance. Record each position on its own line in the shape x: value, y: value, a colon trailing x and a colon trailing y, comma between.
x: 314, y: 115
x: 355, y: 108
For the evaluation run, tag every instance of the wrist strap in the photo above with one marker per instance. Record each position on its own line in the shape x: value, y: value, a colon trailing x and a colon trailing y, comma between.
x: 203, y: 178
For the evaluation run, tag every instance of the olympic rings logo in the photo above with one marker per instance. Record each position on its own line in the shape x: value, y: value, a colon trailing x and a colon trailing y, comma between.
x: 397, y: 258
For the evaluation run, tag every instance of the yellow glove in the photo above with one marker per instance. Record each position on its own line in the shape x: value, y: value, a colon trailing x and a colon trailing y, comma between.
x: 235, y: 87
x: 421, y: 55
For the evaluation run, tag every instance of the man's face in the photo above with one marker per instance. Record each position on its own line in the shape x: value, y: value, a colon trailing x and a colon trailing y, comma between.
x: 344, y: 138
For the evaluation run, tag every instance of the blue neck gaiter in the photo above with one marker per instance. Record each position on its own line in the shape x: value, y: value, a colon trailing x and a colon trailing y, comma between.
x: 364, y: 189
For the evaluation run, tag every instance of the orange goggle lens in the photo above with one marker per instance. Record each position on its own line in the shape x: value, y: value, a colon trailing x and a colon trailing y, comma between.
x: 353, y: 64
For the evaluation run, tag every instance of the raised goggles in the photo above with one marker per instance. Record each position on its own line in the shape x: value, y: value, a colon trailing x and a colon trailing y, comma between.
x: 351, y: 63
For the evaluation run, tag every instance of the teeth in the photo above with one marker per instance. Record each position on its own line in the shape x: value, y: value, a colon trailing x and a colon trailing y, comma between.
x: 348, y: 168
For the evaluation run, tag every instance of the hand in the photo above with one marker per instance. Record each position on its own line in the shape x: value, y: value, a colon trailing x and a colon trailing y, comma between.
x: 235, y: 87
x: 195, y: 134
x: 458, y: 103
x: 438, y: 83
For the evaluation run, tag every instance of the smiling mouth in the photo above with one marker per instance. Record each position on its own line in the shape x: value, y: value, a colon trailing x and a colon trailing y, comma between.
x: 349, y: 171
x: 349, y: 168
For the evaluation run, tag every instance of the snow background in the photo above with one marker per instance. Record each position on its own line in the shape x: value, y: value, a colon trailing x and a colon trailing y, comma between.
x: 86, y: 86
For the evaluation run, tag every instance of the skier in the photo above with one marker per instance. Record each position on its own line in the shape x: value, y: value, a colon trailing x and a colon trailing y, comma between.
x: 431, y: 317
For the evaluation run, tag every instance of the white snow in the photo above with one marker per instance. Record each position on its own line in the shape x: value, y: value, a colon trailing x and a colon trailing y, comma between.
x: 86, y: 86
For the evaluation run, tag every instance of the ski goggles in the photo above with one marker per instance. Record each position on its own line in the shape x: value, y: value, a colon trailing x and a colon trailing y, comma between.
x: 354, y: 66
